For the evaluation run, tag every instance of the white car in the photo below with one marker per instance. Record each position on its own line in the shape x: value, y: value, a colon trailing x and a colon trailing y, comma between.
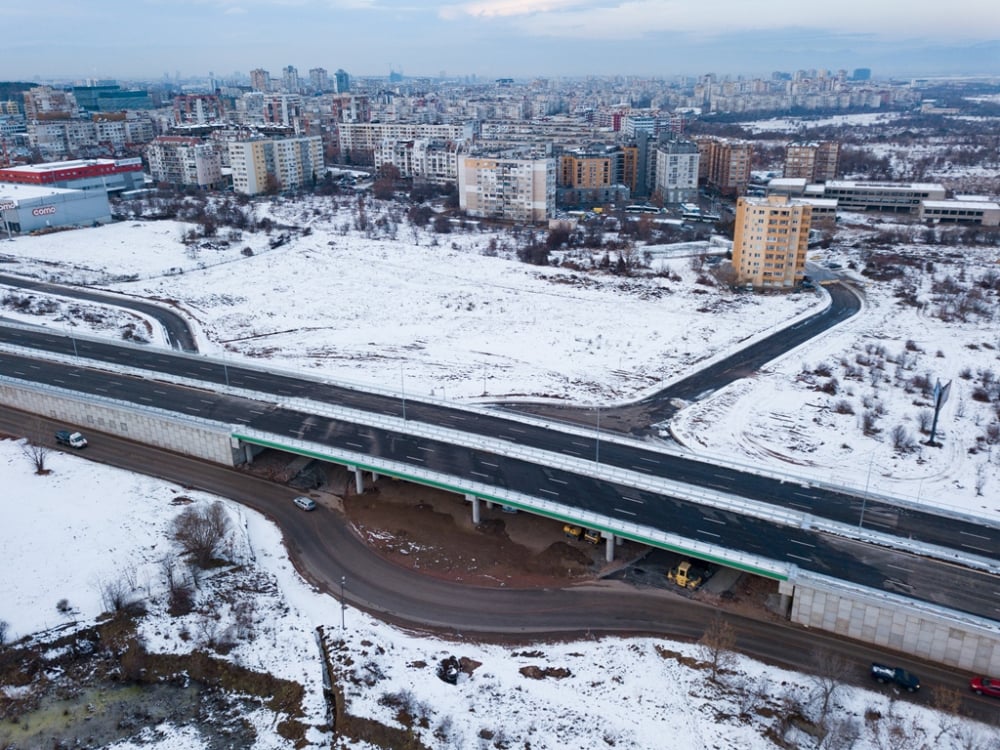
x: 305, y: 503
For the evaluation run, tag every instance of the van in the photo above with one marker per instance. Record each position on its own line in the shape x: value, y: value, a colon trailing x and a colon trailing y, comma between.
x: 305, y: 503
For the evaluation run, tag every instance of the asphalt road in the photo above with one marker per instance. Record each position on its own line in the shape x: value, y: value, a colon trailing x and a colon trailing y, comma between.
x: 864, y: 564
x: 178, y: 331
x: 915, y: 526
x: 324, y: 547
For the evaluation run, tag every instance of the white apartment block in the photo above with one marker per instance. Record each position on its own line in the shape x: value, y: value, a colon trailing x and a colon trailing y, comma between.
x: 677, y: 171
x: 179, y: 160
x: 507, y: 188
x: 60, y: 137
x: 770, y: 240
x: 422, y: 159
x: 262, y: 165
x: 366, y: 136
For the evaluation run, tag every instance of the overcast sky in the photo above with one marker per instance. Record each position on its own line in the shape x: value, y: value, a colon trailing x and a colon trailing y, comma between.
x: 147, y: 38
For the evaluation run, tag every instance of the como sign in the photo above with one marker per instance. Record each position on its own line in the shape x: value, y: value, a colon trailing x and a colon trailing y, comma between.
x: 43, y: 211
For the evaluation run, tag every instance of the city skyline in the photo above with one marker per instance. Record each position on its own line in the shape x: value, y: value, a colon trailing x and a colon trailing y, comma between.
x: 502, y: 38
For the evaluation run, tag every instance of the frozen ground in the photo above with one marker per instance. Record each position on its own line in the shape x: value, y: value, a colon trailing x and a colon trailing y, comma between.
x: 607, y: 692
x: 440, y: 315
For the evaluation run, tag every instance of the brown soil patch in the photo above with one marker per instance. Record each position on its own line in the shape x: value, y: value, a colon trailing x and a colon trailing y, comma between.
x: 432, y: 531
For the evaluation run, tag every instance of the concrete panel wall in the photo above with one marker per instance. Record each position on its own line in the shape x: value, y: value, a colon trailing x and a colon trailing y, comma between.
x: 189, y: 437
x: 923, y: 634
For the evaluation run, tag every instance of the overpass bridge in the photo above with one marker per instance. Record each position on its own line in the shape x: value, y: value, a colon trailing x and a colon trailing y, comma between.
x: 876, y: 584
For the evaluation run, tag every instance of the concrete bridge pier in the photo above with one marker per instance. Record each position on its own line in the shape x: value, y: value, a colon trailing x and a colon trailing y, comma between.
x: 609, y: 547
x: 359, y: 481
x: 374, y: 477
x: 475, y: 508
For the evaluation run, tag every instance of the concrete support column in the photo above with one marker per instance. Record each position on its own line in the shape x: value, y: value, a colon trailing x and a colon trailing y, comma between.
x: 475, y: 508
x: 489, y: 505
x: 248, y: 453
x: 374, y: 477
x: 359, y: 481
x: 619, y: 541
x: 609, y: 548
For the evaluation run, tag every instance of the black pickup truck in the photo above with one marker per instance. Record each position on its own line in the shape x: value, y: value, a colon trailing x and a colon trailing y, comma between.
x: 897, y: 676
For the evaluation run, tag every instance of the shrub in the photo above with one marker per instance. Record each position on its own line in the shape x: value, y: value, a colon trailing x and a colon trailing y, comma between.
x: 843, y: 407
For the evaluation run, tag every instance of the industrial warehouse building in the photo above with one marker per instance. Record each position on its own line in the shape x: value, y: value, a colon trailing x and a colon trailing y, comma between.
x: 30, y: 208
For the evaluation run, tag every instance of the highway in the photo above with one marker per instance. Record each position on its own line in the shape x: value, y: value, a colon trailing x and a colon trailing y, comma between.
x: 857, y: 562
x: 910, y: 525
x: 324, y: 547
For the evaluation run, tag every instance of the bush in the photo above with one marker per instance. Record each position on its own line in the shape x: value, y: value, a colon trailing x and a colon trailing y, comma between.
x: 843, y: 407
x: 201, y: 532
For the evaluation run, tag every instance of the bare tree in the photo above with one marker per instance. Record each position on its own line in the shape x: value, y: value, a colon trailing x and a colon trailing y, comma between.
x: 948, y: 703
x: 201, y: 532
x: 4, y: 627
x: 717, y: 644
x: 37, y: 453
x: 831, y: 669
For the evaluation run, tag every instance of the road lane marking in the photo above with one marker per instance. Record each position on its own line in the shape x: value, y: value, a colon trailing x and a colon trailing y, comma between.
x: 356, y: 445
x: 977, y: 536
x: 633, y: 499
x: 709, y: 533
x: 416, y: 458
x: 713, y: 520
x: 804, y: 544
x: 799, y: 557
x: 978, y: 549
x: 626, y: 512
x: 480, y: 474
x: 558, y: 481
x: 492, y: 466
x: 548, y: 492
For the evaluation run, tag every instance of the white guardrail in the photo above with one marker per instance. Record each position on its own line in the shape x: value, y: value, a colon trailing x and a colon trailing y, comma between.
x: 594, y: 469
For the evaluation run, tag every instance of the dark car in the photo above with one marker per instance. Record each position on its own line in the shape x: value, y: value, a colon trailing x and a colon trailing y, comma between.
x: 897, y: 676
x: 985, y: 686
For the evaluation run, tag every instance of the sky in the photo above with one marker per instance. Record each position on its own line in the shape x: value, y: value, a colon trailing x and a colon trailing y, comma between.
x: 146, y: 39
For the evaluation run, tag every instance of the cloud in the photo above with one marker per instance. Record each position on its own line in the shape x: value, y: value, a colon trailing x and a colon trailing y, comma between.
x: 632, y: 19
x: 507, y: 8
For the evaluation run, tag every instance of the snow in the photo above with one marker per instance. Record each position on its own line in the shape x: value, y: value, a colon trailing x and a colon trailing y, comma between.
x: 631, y: 692
x: 453, y: 320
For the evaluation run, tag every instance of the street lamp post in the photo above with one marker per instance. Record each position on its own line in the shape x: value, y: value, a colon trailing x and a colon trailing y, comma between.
x: 402, y: 390
x: 343, y: 604
x: 597, y: 444
x: 864, y: 500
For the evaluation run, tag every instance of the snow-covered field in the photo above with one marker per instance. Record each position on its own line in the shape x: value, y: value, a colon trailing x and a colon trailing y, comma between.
x: 85, y: 524
x: 441, y: 315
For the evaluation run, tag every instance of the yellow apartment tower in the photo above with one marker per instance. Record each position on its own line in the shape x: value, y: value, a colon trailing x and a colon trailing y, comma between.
x: 770, y: 240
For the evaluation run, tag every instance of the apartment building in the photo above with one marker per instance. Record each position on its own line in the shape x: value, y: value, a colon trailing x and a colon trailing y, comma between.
x: 179, y: 160
x: 46, y: 102
x: 676, y: 177
x: 771, y: 236
x: 260, y: 80
x: 421, y: 159
x: 364, y: 137
x: 578, y: 169
x: 816, y: 162
x: 724, y: 164
x: 512, y: 188
x: 264, y: 165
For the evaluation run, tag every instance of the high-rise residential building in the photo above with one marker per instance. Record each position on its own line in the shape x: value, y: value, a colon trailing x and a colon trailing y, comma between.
x: 343, y: 81
x: 290, y: 80
x: 260, y: 80
x: 815, y: 162
x: 677, y: 171
x: 48, y: 103
x: 578, y: 169
x: 264, y: 165
x: 725, y: 164
x: 198, y: 109
x: 319, y: 80
x: 770, y: 240
x: 179, y: 160
x: 502, y: 187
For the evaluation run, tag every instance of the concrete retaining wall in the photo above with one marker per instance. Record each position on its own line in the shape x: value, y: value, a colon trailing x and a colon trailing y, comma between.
x: 189, y: 437
x: 947, y: 640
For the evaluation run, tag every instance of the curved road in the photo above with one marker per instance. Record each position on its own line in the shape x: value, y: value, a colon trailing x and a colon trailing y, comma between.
x: 178, y: 331
x: 324, y: 547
